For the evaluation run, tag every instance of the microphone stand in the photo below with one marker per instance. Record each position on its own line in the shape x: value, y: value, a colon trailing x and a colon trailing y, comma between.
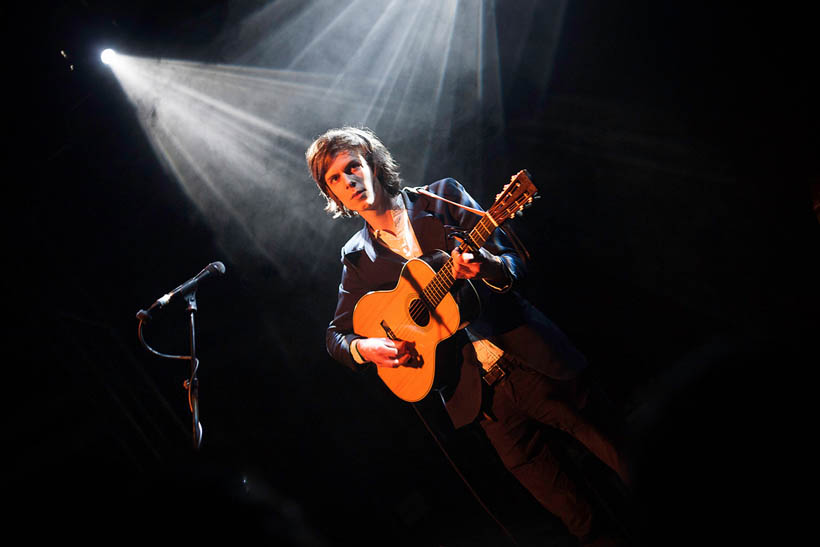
x: 192, y: 383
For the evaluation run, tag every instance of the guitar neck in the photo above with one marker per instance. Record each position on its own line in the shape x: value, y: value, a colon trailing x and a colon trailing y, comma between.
x: 441, y: 284
x: 516, y: 195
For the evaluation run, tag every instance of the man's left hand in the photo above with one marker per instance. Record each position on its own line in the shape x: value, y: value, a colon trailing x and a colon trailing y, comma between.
x: 482, y: 265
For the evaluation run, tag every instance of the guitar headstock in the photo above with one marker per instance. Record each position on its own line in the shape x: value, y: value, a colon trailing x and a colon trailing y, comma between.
x: 518, y: 194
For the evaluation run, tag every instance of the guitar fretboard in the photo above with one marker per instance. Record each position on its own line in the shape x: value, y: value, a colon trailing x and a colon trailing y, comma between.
x: 443, y: 281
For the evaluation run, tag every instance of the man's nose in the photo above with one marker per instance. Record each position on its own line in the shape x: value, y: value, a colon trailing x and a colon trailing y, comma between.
x: 349, y: 180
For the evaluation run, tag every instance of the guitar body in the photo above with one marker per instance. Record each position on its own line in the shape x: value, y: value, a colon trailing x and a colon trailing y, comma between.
x: 394, y: 314
x: 421, y: 309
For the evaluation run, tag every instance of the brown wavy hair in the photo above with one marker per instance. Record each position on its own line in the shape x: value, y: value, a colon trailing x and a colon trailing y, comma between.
x: 320, y: 154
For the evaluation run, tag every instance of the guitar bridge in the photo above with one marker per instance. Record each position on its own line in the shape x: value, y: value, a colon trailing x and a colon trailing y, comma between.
x: 416, y: 360
x: 388, y: 331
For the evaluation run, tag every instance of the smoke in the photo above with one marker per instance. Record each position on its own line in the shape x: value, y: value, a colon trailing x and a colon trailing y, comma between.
x: 424, y: 75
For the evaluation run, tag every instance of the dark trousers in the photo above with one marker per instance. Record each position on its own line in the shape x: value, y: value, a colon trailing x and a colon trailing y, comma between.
x: 517, y: 404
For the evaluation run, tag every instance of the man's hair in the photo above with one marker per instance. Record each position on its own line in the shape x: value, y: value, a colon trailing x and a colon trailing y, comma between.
x: 320, y: 154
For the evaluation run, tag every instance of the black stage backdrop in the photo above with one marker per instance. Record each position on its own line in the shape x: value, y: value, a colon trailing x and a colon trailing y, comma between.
x: 678, y: 250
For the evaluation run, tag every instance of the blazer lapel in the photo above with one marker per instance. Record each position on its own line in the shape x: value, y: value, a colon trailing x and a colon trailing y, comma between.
x: 428, y: 229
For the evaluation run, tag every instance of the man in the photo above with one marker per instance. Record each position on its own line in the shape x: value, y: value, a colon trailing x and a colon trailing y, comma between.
x: 510, y: 368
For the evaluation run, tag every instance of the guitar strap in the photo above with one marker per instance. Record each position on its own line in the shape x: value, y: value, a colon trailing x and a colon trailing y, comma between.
x: 507, y: 229
x: 424, y: 192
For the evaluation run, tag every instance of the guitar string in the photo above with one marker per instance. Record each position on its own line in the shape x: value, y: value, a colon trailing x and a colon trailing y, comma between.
x: 443, y: 280
x: 439, y: 286
x: 441, y: 283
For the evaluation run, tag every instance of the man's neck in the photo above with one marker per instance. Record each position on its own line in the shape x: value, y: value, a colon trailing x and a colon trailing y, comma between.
x: 382, y: 217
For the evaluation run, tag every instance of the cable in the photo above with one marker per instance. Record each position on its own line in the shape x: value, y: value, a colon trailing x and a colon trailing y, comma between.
x: 155, y: 352
x: 190, y: 384
x: 463, y: 478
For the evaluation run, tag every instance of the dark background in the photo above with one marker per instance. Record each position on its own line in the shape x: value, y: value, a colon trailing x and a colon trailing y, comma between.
x: 679, y: 253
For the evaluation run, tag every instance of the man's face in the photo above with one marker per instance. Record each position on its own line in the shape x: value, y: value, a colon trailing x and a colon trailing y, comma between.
x: 350, y: 179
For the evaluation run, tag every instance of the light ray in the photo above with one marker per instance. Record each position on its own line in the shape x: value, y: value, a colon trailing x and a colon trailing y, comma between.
x: 323, y: 34
x: 437, y: 97
x: 425, y: 75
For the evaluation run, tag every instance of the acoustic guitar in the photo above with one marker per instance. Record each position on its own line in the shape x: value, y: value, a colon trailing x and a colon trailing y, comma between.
x: 420, y: 309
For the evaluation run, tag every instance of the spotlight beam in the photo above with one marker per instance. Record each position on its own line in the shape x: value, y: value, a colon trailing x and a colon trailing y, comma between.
x: 320, y: 36
x: 392, y: 74
x: 444, y: 27
x: 234, y: 133
x: 437, y: 98
x: 352, y: 61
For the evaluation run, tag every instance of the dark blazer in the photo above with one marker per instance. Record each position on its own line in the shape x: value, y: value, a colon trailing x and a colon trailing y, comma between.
x: 506, y: 318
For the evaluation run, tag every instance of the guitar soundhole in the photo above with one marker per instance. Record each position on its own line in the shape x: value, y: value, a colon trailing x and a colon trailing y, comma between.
x: 419, y: 313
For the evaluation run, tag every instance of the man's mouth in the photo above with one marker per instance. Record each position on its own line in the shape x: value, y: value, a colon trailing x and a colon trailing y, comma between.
x: 358, y: 194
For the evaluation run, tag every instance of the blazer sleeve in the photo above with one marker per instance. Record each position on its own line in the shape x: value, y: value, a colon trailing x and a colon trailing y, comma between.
x: 340, y: 333
x: 498, y: 243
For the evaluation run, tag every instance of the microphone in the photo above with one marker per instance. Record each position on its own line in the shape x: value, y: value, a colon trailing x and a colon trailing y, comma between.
x: 214, y: 268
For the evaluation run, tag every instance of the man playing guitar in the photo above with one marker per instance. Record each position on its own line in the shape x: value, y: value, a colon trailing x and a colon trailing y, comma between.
x: 510, y: 367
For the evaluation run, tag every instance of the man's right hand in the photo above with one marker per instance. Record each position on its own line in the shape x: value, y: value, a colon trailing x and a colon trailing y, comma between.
x: 384, y: 352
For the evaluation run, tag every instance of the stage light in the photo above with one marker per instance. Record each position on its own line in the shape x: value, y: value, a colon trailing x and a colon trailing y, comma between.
x: 107, y: 56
